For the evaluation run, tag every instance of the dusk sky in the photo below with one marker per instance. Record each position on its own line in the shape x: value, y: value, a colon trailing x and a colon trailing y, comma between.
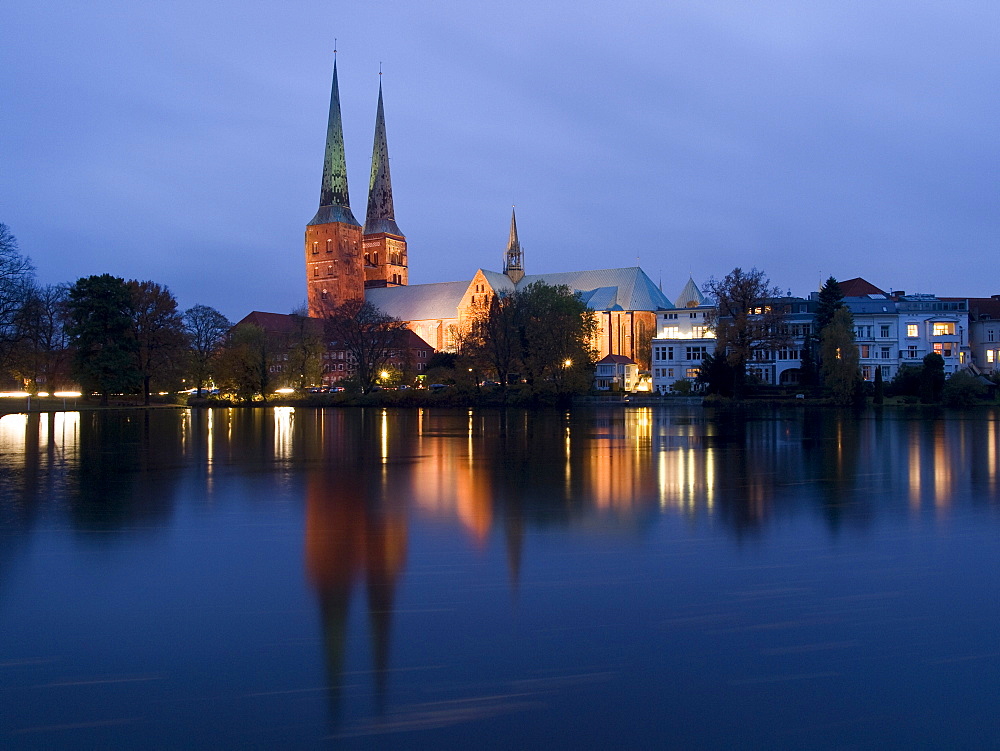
x: 182, y: 142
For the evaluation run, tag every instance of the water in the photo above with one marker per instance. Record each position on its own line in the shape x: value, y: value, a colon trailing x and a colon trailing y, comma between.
x: 646, y: 578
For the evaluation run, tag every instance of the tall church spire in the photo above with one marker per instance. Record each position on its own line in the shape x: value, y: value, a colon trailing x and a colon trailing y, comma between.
x: 513, y: 265
x: 380, y: 216
x: 334, y: 201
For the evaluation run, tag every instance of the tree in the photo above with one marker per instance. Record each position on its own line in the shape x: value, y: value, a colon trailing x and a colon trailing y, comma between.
x: 906, y: 382
x: 494, y: 340
x: 245, y: 362
x: 42, y: 355
x: 305, y: 350
x: 879, y: 394
x: 932, y: 378
x: 367, y: 335
x: 542, y: 331
x: 716, y: 375
x: 206, y: 331
x: 16, y: 285
x: 159, y: 333
x: 100, y: 316
x: 962, y: 389
x: 557, y: 329
x: 830, y: 300
x: 840, y: 357
x: 745, y: 320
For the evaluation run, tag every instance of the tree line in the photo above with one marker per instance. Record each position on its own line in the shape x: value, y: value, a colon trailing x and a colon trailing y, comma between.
x: 102, y: 332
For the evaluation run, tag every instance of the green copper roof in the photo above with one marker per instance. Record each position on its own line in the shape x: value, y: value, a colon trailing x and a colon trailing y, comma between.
x: 334, y: 201
x: 380, y: 216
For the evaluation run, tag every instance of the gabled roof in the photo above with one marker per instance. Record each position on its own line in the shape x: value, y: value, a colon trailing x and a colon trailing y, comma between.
x: 859, y: 287
x: 419, y: 302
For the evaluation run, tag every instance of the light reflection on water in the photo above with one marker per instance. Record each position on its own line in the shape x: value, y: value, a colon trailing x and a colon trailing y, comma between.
x: 456, y: 562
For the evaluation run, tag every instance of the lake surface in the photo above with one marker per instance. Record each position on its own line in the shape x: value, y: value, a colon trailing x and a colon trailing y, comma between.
x: 637, y: 578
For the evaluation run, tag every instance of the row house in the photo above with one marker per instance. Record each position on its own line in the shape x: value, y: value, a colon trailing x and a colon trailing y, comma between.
x: 893, y: 329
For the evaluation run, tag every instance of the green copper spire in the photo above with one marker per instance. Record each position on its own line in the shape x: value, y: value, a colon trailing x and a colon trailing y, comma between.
x: 334, y: 201
x: 380, y: 216
x: 512, y: 258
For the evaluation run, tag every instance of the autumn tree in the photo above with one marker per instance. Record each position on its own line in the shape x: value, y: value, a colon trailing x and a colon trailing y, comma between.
x: 158, y: 330
x: 367, y: 335
x: 206, y: 330
x: 100, y: 328
x: 745, y: 320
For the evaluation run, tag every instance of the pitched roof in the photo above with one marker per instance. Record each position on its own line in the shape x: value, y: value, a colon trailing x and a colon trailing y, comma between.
x: 419, y: 302
x: 608, y: 289
x: 859, y: 287
x: 690, y: 296
x: 278, y: 323
x: 616, y: 359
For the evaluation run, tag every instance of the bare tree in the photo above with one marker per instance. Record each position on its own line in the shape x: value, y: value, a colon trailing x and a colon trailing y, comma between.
x: 42, y: 355
x: 368, y: 336
x: 206, y: 329
x: 746, y: 319
x: 16, y: 285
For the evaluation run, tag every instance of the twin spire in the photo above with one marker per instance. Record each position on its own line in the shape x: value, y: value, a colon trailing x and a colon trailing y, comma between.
x: 334, y: 198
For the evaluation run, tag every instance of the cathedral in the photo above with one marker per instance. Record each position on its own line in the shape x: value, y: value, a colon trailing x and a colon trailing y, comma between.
x: 347, y: 262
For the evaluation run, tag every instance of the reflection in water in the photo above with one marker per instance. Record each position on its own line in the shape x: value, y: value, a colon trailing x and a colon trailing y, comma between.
x: 364, y: 476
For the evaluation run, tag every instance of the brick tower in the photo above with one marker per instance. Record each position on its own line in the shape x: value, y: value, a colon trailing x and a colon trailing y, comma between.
x: 384, y: 245
x: 335, y: 271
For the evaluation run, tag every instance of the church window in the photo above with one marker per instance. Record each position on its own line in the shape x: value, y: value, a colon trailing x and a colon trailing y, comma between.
x: 329, y: 270
x: 323, y: 294
x: 316, y: 246
x: 315, y: 270
x: 329, y: 245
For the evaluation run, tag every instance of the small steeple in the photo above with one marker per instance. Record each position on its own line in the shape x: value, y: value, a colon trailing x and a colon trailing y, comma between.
x: 380, y: 216
x: 690, y: 296
x: 513, y: 265
x: 334, y: 201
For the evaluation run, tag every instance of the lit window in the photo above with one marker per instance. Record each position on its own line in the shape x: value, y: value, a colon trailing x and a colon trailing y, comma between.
x: 943, y: 329
x: 911, y: 329
x: 866, y: 372
x: 991, y: 355
x: 866, y: 351
x: 671, y: 332
x: 691, y: 373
